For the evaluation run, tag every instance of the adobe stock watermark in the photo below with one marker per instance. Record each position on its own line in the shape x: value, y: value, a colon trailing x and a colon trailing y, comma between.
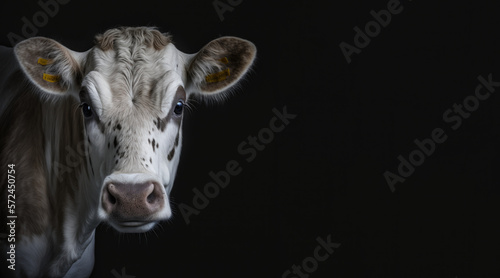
x: 74, y: 158
x: 221, y: 6
x: 321, y: 253
x: 454, y: 116
x: 372, y: 29
x: 249, y: 149
x: 48, y: 9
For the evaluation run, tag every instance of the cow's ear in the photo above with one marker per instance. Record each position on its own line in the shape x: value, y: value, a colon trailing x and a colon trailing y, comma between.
x: 49, y: 65
x: 219, y: 65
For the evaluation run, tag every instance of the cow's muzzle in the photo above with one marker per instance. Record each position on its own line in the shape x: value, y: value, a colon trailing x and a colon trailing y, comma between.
x: 132, y: 206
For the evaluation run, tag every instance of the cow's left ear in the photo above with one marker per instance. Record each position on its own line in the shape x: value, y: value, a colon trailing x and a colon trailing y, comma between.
x: 49, y: 65
x: 219, y: 65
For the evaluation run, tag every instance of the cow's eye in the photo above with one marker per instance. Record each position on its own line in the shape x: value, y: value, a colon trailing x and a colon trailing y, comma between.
x: 87, y: 110
x: 179, y: 107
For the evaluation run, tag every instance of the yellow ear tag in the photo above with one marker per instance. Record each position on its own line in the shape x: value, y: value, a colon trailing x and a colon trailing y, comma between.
x: 51, y: 78
x: 224, y: 60
x: 44, y: 62
x: 217, y: 77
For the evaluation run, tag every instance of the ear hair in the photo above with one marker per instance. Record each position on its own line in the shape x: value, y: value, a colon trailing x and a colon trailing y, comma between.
x: 208, y: 61
x: 220, y: 64
x: 48, y: 64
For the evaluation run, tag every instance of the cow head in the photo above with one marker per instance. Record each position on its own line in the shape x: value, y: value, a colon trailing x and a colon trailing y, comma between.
x: 132, y: 88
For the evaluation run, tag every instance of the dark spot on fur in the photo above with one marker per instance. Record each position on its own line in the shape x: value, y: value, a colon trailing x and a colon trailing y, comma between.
x: 147, y: 165
x: 154, y: 122
x: 143, y: 159
x: 101, y: 126
x: 151, y: 160
x: 158, y: 125
x: 157, y: 145
x: 177, y: 140
x: 115, y: 142
x: 162, y: 124
x: 119, y: 126
x: 153, y: 145
x: 171, y: 154
x: 108, y: 145
x: 118, y: 150
x: 149, y: 141
x: 122, y: 154
x: 116, y: 161
x: 88, y: 139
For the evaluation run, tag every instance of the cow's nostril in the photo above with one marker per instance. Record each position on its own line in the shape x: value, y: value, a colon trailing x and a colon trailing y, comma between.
x: 152, y: 197
x: 111, y: 198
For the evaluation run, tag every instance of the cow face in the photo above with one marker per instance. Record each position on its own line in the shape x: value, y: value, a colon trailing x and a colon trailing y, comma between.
x: 132, y: 88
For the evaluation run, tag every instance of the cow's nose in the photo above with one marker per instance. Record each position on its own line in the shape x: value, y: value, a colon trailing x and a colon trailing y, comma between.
x: 132, y: 202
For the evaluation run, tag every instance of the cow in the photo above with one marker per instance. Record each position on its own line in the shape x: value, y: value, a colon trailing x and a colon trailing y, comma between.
x: 95, y: 136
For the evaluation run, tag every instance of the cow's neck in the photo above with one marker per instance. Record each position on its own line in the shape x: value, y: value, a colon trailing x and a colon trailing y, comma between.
x: 72, y: 196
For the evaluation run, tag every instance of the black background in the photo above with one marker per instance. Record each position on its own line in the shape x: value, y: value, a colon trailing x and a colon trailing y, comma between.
x: 323, y: 175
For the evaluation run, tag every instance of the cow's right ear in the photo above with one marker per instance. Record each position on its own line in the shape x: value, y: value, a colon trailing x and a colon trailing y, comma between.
x: 49, y: 65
